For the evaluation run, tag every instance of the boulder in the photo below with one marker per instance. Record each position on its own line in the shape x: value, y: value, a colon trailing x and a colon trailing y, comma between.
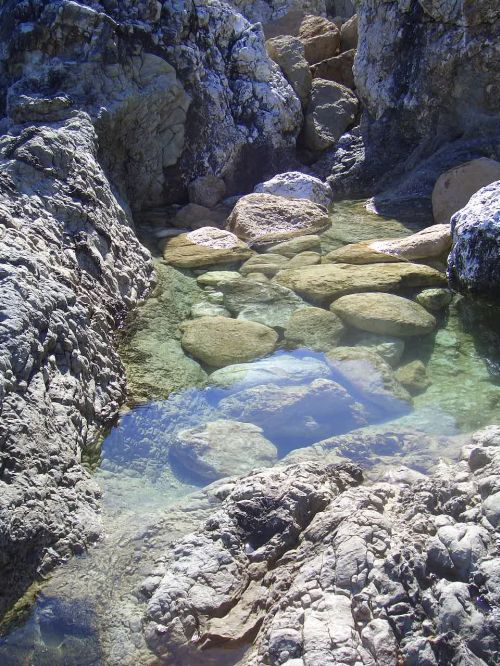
x: 193, y: 216
x: 321, y: 38
x: 413, y: 376
x: 205, y: 247
x: 222, y: 448
x: 296, y: 245
x: 454, y: 188
x: 360, y: 253
x: 338, y: 69
x: 219, y: 341
x: 267, y: 264
x: 349, y: 34
x: 206, y: 190
x: 434, y: 299
x: 331, y: 111
x: 429, y: 243
x: 264, y: 218
x: 207, y: 309
x: 322, y: 284
x: 473, y: 265
x: 217, y: 278
x: 314, y: 328
x: 385, y: 314
x: 389, y: 348
x: 304, y: 259
x: 297, y: 185
x: 288, y: 53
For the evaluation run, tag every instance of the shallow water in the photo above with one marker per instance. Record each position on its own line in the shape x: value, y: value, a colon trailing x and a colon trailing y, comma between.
x: 89, y: 612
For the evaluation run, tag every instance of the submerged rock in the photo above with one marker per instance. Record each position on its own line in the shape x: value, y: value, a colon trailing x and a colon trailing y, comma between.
x: 434, y: 299
x: 268, y: 264
x: 390, y: 348
x: 314, y: 328
x: 434, y: 241
x: 295, y: 246
x: 296, y: 185
x: 205, y: 247
x: 413, y: 376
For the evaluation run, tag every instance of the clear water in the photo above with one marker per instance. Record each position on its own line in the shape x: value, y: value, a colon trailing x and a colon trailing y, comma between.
x: 89, y: 611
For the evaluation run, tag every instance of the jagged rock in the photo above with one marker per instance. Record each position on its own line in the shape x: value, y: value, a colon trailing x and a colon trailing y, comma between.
x: 338, y: 69
x: 473, y: 263
x: 219, y: 341
x: 454, y: 188
x: 263, y: 218
x: 385, y: 314
x: 206, y: 191
x: 432, y: 242
x: 296, y: 185
x: 288, y: 53
x: 434, y: 299
x: 314, y: 328
x: 413, y: 376
x: 320, y: 37
x: 330, y: 112
x: 205, y: 247
x: 322, y: 284
x: 296, y: 245
x: 222, y: 448
x: 349, y: 34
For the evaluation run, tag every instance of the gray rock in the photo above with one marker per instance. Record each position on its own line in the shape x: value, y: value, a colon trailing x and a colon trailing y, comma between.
x: 206, y: 191
x: 288, y: 53
x: 296, y: 185
x: 314, y: 328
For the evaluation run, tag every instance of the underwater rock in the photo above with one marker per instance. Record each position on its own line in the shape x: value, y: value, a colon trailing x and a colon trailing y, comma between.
x: 268, y: 264
x: 297, y: 245
x: 413, y: 376
x: 314, y: 328
x: 205, y: 247
x: 390, y: 348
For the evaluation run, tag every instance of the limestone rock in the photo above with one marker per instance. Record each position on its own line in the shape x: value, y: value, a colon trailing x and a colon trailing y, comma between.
x: 296, y: 245
x: 222, y: 448
x: 432, y: 242
x: 330, y: 112
x: 288, y: 53
x: 349, y: 34
x: 218, y: 341
x: 205, y: 247
x: 259, y: 218
x: 206, y: 191
x: 296, y: 185
x: 385, y: 314
x: 314, y: 328
x: 473, y: 265
x: 413, y: 376
x: 321, y: 38
x: 338, y: 69
x: 322, y: 284
x: 454, y: 188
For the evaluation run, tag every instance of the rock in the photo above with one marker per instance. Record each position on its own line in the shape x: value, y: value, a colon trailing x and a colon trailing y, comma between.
x: 207, y: 191
x: 205, y: 309
x: 385, y: 314
x: 304, y: 259
x: 222, y: 448
x: 205, y: 247
x: 320, y: 37
x: 314, y: 328
x: 322, y: 284
x: 434, y: 299
x: 330, y: 112
x: 338, y: 69
x: 349, y: 34
x: 360, y: 253
x: 271, y: 11
x: 193, y: 216
x: 413, y: 376
x: 296, y: 245
x: 267, y: 303
x: 296, y: 185
x: 288, y: 53
x: 473, y: 263
x: 454, y: 188
x: 218, y: 341
x: 267, y: 264
x: 432, y: 242
x: 391, y: 349
x: 217, y: 278
x: 370, y: 378
x: 277, y: 369
x: 263, y: 218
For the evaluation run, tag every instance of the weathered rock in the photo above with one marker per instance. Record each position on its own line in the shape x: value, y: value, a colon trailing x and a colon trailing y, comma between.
x: 193, y: 216
x: 349, y: 34
x: 217, y: 278
x: 473, y: 265
x: 297, y: 245
x: 338, y: 69
x: 391, y: 349
x: 222, y: 448
x: 304, y: 259
x: 288, y: 53
x: 413, y: 376
x: 320, y: 37
x: 322, y: 284
x: 432, y: 242
x: 206, y: 309
x: 205, y: 247
x: 206, y: 191
x: 385, y: 314
x: 296, y: 185
x: 454, y: 188
x: 267, y: 264
x: 360, y: 253
x: 218, y: 341
x: 314, y: 328
x: 330, y: 112
x: 263, y: 218
x: 434, y: 299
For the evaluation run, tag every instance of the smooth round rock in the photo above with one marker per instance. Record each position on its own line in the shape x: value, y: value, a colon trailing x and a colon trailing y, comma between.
x: 217, y: 278
x: 413, y: 376
x: 434, y: 299
x: 314, y: 328
x: 205, y: 247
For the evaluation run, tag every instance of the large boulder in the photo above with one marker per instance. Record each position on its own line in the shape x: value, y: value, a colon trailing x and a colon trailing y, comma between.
x: 288, y: 53
x: 219, y: 341
x: 473, y: 265
x: 385, y: 314
x: 314, y: 328
x: 349, y: 34
x: 429, y: 243
x: 454, y: 188
x: 338, y: 69
x: 330, y: 112
x: 294, y: 246
x: 264, y: 218
x: 296, y: 185
x: 207, y: 246
x: 265, y: 264
x: 321, y: 38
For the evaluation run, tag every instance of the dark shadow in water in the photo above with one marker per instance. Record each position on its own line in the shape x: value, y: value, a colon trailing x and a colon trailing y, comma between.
x: 482, y: 322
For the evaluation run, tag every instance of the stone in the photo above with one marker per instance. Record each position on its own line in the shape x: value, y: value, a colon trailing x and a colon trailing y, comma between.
x: 271, y: 11
x: 264, y: 218
x: 473, y: 266
x: 413, y: 376
x: 193, y: 216
x: 288, y: 53
x: 385, y: 314
x: 360, y: 253
x: 207, y: 190
x: 218, y: 341
x: 391, y: 349
x: 205, y: 247
x: 207, y: 309
x: 297, y: 245
x: 217, y: 278
x: 432, y: 242
x: 338, y: 69
x: 322, y: 284
x: 314, y: 328
x: 320, y: 37
x: 454, y: 188
x: 349, y: 34
x: 434, y: 299
x: 296, y: 185
x: 267, y: 264
x: 222, y: 448
x: 331, y: 111
x: 304, y: 259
